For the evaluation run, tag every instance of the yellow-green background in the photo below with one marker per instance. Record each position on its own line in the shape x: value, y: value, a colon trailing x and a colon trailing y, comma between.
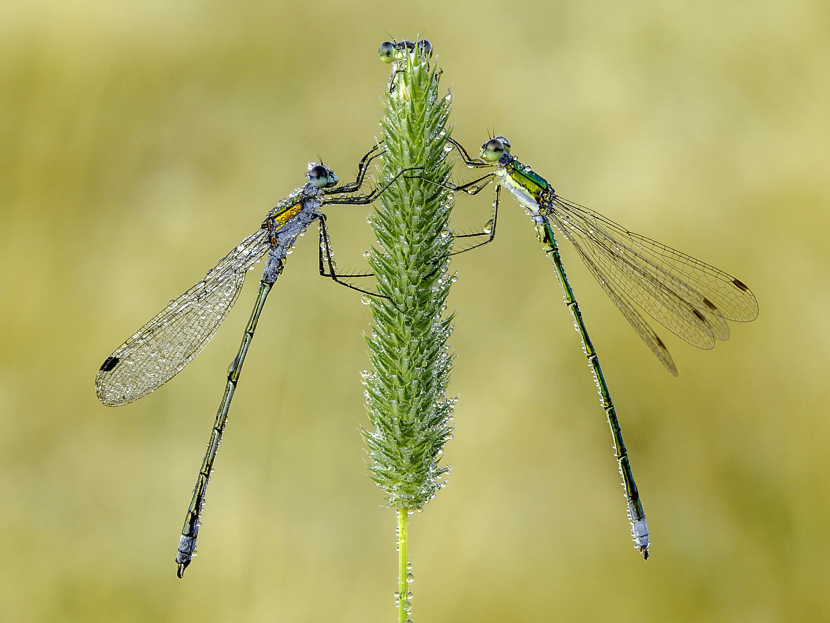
x: 140, y: 141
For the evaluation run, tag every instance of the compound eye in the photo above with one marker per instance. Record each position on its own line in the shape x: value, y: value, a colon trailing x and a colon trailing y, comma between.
x: 492, y: 150
x: 387, y: 51
x: 426, y: 47
x: 320, y: 176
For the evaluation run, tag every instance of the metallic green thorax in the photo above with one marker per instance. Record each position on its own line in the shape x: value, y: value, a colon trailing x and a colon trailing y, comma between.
x: 530, y: 189
x: 530, y: 180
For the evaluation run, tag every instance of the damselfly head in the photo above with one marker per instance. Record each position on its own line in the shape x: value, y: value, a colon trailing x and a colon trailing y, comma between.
x: 493, y: 149
x: 391, y: 51
x: 387, y: 51
x: 426, y: 47
x: 320, y: 176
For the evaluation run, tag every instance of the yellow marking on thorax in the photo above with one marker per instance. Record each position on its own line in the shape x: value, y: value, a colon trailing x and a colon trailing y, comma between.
x: 524, y: 190
x: 286, y: 213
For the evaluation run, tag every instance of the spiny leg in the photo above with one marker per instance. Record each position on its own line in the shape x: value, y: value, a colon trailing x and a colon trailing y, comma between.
x: 489, y: 228
x: 326, y: 259
x: 361, y: 199
x: 473, y: 188
x: 473, y: 163
x: 325, y: 255
x: 362, y: 168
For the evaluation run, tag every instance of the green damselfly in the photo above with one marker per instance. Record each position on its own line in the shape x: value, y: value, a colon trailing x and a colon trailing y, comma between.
x: 171, y: 340
x: 690, y: 298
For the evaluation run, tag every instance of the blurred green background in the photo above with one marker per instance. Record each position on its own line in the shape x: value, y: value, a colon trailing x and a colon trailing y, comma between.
x: 141, y: 141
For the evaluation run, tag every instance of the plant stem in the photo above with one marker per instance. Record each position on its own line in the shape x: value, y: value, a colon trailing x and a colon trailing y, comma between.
x: 404, y: 605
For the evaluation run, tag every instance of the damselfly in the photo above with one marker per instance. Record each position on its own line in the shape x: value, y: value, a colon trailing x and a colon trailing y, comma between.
x: 166, y: 344
x: 688, y: 297
x: 392, y: 51
x: 397, y: 51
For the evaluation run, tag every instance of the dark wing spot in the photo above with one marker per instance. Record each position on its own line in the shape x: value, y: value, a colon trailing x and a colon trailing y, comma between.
x: 660, y: 342
x: 709, y: 304
x: 740, y: 285
x: 699, y: 315
x: 110, y: 364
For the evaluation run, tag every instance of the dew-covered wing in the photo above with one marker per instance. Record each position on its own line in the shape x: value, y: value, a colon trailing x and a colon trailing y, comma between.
x: 166, y: 344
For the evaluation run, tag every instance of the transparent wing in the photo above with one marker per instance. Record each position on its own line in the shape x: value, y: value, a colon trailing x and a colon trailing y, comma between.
x: 690, y: 298
x: 166, y: 344
x: 634, y: 318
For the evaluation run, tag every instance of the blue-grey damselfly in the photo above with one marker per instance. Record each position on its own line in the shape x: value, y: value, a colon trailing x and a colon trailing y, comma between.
x: 171, y: 340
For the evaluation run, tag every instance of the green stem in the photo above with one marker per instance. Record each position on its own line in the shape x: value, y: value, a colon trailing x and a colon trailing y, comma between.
x: 404, y: 605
